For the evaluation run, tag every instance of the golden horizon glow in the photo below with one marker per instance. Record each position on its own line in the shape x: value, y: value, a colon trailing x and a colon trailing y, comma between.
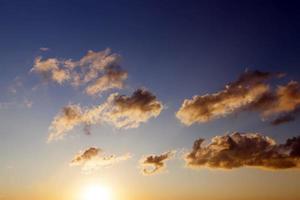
x: 96, y: 192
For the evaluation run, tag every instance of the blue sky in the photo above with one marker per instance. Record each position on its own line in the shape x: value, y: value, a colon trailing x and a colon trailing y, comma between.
x: 175, y: 49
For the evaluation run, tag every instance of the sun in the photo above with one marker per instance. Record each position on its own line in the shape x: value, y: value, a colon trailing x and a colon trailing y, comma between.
x: 96, y: 192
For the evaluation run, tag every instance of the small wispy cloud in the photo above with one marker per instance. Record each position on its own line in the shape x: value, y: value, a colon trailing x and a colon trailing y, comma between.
x: 28, y: 103
x: 93, y: 158
x: 16, y: 85
x: 44, y: 49
x: 153, y: 164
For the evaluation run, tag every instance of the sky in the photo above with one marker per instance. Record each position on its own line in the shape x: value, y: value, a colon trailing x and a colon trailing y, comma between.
x: 153, y: 99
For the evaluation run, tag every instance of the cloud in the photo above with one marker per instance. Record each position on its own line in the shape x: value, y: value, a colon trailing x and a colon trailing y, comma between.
x: 283, y: 119
x: 110, y: 80
x: 249, y: 87
x: 86, y: 155
x: 28, y: 103
x: 93, y: 158
x: 16, y: 86
x: 118, y: 110
x: 245, y: 149
x: 50, y: 69
x: 18, y: 94
x: 44, y: 49
x: 154, y: 164
x: 96, y: 71
x: 130, y: 111
x: 249, y: 92
x: 285, y: 100
x: 69, y: 117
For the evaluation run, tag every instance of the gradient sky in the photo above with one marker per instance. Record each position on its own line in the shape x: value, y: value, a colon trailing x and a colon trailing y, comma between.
x: 175, y: 49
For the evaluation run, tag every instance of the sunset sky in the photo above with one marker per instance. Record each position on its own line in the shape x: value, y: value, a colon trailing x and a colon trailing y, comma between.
x: 149, y: 100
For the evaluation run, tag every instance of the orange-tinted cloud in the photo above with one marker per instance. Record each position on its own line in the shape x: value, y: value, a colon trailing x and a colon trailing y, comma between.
x: 250, y: 92
x: 69, y: 117
x: 130, y: 111
x: 85, y: 155
x: 51, y: 69
x: 283, y: 102
x: 249, y: 87
x: 153, y: 164
x: 93, y: 158
x: 118, y: 110
x: 112, y: 79
x: 97, y: 71
x: 245, y: 149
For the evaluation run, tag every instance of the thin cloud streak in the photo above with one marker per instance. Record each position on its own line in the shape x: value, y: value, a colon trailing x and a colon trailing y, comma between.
x: 93, y: 158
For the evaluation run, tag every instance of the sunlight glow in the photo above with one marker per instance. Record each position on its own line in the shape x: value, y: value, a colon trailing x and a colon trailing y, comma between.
x: 96, y: 192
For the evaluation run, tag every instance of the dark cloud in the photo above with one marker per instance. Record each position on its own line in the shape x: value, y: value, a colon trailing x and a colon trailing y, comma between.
x: 283, y: 119
x: 249, y: 92
x: 153, y: 164
x: 284, y: 101
x: 245, y: 149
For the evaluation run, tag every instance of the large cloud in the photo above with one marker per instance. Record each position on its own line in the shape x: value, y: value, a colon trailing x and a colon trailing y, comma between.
x: 249, y: 92
x: 245, y: 149
x: 247, y: 89
x: 118, y: 110
x: 153, y: 164
x: 97, y: 71
x: 93, y: 158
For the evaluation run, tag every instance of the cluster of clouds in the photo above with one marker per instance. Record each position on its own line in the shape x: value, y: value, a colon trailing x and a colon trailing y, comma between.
x: 96, y: 71
x: 244, y: 150
x: 101, y: 71
x: 93, y: 158
x: 120, y: 111
x: 251, y: 91
x: 227, y: 151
